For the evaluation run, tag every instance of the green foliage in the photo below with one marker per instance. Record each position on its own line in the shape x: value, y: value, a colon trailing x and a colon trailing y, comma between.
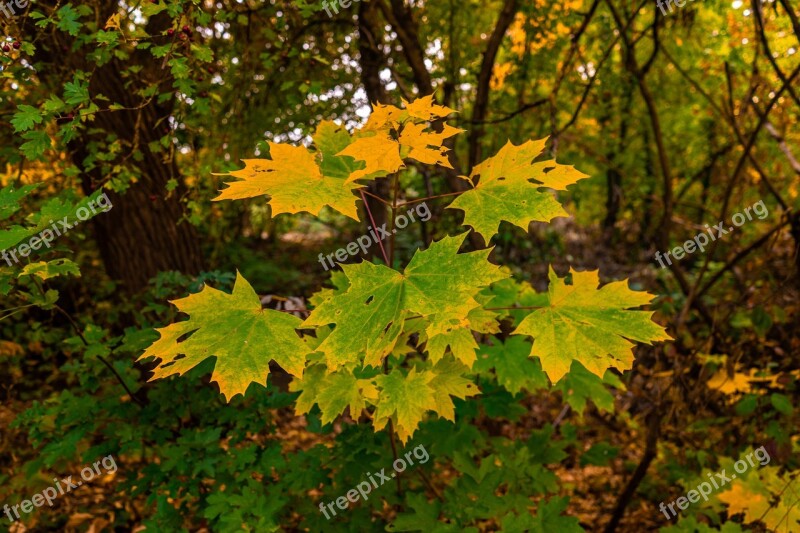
x: 434, y: 343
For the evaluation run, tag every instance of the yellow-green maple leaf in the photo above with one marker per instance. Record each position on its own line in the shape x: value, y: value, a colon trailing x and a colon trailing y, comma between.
x: 580, y: 322
x: 405, y: 399
x: 233, y: 328
x: 369, y: 314
x: 505, y: 190
x: 765, y: 496
x: 294, y: 179
x: 449, y: 381
x: 332, y: 392
x: 455, y: 332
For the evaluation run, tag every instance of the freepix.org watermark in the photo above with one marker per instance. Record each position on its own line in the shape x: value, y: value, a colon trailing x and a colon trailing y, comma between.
x: 701, y: 239
x: 704, y: 489
x: 344, y: 3
x: 365, y: 241
x: 679, y: 3
x: 65, y: 485
x: 46, y: 236
x: 365, y: 487
x: 7, y: 8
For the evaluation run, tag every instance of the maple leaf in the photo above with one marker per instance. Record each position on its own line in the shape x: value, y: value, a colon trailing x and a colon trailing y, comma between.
x: 449, y: 381
x: 455, y: 332
x: 767, y: 497
x: 233, y: 328
x: 505, y: 190
x: 510, y: 293
x: 426, y: 146
x: 293, y: 179
x: 740, y: 382
x: 579, y: 386
x: 378, y: 150
x: 588, y: 325
x: 512, y: 364
x: 405, y: 399
x: 383, y: 116
x: 369, y: 314
x: 332, y: 392
x: 390, y: 129
x: 424, y: 108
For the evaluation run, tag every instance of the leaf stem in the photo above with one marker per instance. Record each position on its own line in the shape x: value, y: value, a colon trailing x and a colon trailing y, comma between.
x: 369, y: 213
x: 381, y: 200
x: 429, y: 198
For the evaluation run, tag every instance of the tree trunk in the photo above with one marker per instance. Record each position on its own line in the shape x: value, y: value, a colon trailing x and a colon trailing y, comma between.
x: 144, y: 233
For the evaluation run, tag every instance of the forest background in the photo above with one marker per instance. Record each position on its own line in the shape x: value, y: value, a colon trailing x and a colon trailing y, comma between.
x: 678, y: 121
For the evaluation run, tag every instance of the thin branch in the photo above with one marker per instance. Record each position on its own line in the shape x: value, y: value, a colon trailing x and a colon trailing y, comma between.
x: 100, y: 357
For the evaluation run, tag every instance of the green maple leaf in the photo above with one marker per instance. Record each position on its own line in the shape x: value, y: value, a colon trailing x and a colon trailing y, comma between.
x: 294, y: 179
x: 505, y: 190
x: 512, y: 364
x: 578, y: 386
x: 582, y: 323
x: 405, y: 399
x: 370, y: 313
x: 233, y: 328
x: 549, y: 517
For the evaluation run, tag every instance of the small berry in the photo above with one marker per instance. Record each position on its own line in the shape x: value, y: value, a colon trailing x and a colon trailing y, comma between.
x: 70, y: 115
x: 203, y: 94
x: 16, y: 45
x: 200, y: 78
x: 170, y: 32
x: 183, y: 37
x: 6, y: 48
x: 210, y: 70
x: 187, y: 30
x: 153, y: 197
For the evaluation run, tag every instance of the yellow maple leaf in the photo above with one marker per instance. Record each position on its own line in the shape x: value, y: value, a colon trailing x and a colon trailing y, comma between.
x: 424, y: 108
x: 383, y: 116
x: 379, y: 151
x: 112, y: 22
x: 426, y: 146
x: 294, y: 182
x: 740, y: 499
x: 740, y: 382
